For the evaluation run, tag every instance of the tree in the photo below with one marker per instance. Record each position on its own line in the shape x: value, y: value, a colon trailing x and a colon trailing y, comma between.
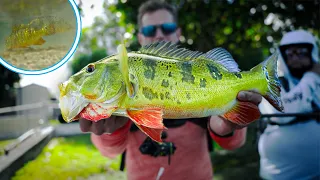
x: 7, y: 83
x: 248, y: 29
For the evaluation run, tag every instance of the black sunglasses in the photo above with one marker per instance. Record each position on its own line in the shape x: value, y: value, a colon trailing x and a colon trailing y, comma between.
x: 301, y: 52
x: 166, y: 28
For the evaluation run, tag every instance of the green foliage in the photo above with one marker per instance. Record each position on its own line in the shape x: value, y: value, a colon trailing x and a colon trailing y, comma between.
x: 7, y: 82
x: 67, y: 158
x: 248, y: 29
x: 238, y: 26
x: 3, y: 144
x: 54, y: 122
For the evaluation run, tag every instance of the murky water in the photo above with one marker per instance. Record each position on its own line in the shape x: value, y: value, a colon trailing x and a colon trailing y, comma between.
x: 36, y: 34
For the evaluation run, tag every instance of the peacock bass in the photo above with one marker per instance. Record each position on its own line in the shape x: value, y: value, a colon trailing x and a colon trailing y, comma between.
x: 162, y: 80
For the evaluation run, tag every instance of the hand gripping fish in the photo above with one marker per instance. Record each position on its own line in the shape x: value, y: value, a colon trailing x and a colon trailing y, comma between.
x: 162, y: 80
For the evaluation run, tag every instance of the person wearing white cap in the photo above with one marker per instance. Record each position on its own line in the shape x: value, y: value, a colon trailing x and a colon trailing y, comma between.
x: 289, y: 147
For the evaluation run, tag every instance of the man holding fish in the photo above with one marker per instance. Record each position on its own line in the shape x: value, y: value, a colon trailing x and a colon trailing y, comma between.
x: 138, y: 98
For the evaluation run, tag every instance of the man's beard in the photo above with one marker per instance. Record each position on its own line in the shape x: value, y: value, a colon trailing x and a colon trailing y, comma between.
x: 299, y: 72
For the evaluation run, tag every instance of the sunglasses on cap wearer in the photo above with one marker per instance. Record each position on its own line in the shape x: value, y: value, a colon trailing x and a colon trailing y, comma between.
x: 300, y: 52
x: 166, y: 28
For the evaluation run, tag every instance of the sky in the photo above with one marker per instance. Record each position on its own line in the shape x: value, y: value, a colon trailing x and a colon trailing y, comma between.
x: 52, y: 79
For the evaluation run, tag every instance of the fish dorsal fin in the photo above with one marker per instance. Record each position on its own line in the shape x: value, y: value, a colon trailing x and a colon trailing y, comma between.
x: 17, y: 27
x: 169, y: 50
x: 224, y: 58
x: 124, y: 69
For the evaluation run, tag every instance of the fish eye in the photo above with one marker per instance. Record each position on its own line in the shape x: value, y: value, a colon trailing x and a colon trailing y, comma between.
x: 90, y: 68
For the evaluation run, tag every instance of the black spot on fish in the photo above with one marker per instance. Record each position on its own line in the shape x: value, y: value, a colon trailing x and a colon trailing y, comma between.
x: 170, y: 74
x: 187, y: 73
x: 161, y: 96
x: 238, y: 75
x: 167, y: 95
x: 149, y: 94
x: 165, y: 83
x: 214, y: 72
x: 188, y: 96
x: 203, y: 82
x: 150, y: 68
x: 131, y: 76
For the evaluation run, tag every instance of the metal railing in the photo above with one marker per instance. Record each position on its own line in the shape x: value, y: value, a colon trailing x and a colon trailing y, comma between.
x: 266, y: 119
x: 16, y: 120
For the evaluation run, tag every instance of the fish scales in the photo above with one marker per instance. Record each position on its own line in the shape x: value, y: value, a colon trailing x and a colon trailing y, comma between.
x: 164, y: 81
x: 168, y: 83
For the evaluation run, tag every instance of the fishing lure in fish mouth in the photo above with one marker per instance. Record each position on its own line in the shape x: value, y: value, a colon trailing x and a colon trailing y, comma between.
x: 26, y: 35
x: 162, y: 80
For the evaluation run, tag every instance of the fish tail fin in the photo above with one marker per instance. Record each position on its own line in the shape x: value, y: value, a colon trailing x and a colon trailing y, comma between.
x: 269, y: 70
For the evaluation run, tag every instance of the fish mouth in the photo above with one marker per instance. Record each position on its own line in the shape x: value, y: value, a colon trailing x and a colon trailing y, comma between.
x: 71, y: 105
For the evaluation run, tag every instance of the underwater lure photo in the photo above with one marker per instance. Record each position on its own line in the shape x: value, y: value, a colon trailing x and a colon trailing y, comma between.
x: 37, y: 34
x: 162, y: 80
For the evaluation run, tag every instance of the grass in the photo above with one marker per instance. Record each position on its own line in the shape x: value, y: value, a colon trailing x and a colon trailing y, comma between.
x: 54, y: 122
x: 3, y: 144
x: 76, y: 158
x: 70, y: 158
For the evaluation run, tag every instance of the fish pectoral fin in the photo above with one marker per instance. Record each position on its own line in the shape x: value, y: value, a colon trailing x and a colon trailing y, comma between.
x: 95, y: 112
x: 148, y: 117
x: 124, y: 68
x: 154, y: 134
x: 149, y: 121
x: 243, y: 113
x: 40, y: 41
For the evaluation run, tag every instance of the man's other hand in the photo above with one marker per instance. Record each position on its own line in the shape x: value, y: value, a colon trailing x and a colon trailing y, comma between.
x: 222, y: 126
x: 108, y: 125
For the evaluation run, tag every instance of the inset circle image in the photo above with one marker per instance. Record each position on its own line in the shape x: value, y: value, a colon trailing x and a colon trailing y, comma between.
x: 38, y: 36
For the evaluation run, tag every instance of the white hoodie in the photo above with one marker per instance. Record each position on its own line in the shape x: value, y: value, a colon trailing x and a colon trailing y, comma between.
x: 301, y: 92
x: 292, y: 152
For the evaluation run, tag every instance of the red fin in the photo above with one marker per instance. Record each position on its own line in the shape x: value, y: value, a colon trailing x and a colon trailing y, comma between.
x: 148, y: 117
x: 154, y: 134
x: 243, y: 113
x: 96, y: 112
x: 39, y: 42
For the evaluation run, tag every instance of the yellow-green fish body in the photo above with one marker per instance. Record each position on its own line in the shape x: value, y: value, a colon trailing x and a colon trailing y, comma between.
x: 164, y: 81
x: 24, y: 38
x: 186, y: 89
x: 25, y: 35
